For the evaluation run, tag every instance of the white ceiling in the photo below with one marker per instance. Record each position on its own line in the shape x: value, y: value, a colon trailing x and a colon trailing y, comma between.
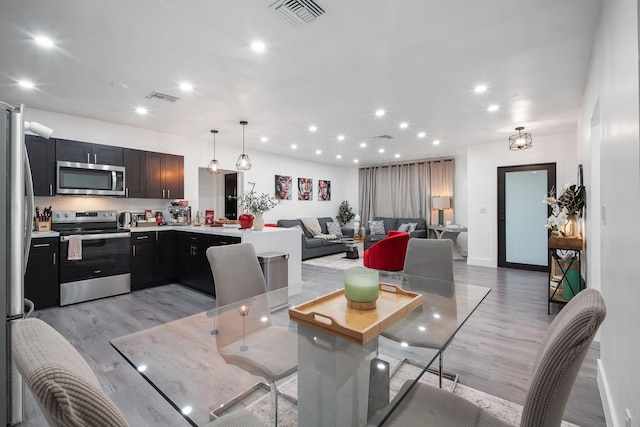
x: 417, y: 59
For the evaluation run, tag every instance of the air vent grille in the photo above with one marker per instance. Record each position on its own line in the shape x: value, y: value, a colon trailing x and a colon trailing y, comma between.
x: 299, y: 12
x: 383, y: 137
x: 158, y: 96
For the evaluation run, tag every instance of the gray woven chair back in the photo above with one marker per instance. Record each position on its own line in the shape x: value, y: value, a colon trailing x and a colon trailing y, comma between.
x: 431, y: 258
x: 62, y: 382
x: 561, y: 354
x: 236, y: 273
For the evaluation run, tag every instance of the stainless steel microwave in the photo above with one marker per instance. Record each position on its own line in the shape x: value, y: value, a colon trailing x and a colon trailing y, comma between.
x: 89, y: 178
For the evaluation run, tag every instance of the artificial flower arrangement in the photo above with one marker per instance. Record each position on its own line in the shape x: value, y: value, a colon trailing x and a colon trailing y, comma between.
x: 565, y: 208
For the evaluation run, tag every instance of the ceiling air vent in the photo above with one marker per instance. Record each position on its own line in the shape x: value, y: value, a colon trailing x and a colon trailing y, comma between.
x: 299, y: 12
x: 383, y: 137
x: 158, y: 96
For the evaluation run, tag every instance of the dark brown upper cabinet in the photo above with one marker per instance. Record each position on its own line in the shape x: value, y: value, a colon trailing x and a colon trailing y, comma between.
x: 85, y: 152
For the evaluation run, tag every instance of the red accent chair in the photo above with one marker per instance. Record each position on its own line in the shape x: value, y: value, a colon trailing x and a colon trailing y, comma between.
x: 388, y: 254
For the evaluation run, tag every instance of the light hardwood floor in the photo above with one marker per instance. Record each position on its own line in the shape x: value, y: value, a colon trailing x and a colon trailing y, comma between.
x: 493, y: 352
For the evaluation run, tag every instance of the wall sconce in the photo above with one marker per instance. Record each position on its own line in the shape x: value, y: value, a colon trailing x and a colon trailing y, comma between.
x: 441, y: 203
x: 243, y: 163
x: 520, y: 141
x: 214, y: 166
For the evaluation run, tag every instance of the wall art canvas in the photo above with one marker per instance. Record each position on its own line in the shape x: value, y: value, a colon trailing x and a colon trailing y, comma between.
x: 284, y: 187
x: 305, y: 189
x: 324, y: 190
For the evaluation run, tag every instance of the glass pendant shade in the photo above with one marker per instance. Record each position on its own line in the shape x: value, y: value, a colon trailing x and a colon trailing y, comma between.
x: 520, y: 141
x: 243, y: 163
x: 214, y: 165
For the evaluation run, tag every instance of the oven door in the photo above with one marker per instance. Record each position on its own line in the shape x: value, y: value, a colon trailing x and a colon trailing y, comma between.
x: 102, y: 255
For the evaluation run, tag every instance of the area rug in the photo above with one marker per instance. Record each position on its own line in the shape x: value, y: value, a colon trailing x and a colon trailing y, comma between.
x: 337, y: 261
x: 288, y: 414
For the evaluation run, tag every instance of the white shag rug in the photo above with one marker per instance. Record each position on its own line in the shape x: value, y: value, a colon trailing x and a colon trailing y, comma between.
x: 337, y: 261
x: 288, y: 414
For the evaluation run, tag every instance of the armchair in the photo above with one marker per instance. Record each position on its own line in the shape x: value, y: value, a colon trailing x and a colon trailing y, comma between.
x: 388, y: 254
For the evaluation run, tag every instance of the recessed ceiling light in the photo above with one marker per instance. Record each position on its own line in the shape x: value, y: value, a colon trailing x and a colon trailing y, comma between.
x: 422, y: 134
x: 339, y: 156
x: 312, y: 128
x: 404, y: 125
x: 26, y: 84
x: 493, y: 108
x: 436, y: 142
x: 264, y: 139
x: 355, y: 160
x: 44, y: 41
x: 258, y: 46
x: 480, y: 89
x: 119, y: 86
x: 397, y: 156
x: 340, y: 137
x: 318, y: 151
x: 381, y: 150
x: 294, y: 146
x: 380, y: 113
x: 185, y: 86
x: 141, y: 110
x: 363, y: 144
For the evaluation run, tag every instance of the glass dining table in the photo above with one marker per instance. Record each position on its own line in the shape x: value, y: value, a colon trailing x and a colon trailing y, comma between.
x: 337, y: 382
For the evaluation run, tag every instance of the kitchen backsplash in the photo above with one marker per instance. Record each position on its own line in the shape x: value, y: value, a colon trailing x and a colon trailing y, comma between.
x: 85, y: 203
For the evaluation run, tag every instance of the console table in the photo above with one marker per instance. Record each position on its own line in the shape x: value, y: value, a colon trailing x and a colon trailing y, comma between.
x: 570, y: 261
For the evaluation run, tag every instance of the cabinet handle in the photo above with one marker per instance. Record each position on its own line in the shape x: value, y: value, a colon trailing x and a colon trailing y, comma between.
x: 95, y: 158
x: 142, y: 237
x: 168, y: 194
x: 126, y: 192
x: 88, y: 161
x: 163, y: 194
x: 134, y: 250
x: 51, y: 189
x: 54, y: 258
x: 41, y: 245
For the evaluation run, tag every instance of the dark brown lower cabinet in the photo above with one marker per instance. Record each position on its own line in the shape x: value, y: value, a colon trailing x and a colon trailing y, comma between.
x: 41, y: 283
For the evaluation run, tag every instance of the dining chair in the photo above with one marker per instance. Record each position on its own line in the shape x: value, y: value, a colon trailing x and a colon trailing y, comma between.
x: 429, y: 259
x: 556, y: 367
x: 65, y: 386
x: 270, y: 351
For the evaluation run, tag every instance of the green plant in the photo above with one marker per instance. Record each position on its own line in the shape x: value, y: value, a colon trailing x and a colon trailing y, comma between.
x: 569, y: 202
x: 345, y: 214
x: 255, y: 203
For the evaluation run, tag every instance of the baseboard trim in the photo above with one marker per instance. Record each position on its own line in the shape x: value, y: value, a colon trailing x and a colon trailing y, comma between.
x: 482, y: 262
x: 605, y: 396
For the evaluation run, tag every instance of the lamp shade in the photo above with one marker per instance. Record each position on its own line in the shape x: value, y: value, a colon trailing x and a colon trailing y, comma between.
x: 440, y: 202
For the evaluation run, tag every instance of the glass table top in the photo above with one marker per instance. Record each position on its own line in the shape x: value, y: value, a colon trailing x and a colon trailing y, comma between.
x: 189, y: 365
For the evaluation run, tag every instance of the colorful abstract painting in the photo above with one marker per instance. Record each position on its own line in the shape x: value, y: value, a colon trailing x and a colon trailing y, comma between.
x: 324, y: 190
x: 283, y: 187
x: 305, y: 189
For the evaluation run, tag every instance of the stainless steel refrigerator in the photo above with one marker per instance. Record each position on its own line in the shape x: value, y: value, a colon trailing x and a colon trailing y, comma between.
x: 16, y: 223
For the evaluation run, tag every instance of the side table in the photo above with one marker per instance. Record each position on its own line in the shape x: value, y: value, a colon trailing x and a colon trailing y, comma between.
x: 573, y: 249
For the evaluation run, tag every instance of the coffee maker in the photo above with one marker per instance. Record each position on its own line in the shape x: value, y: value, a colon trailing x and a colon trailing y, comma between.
x: 180, y: 215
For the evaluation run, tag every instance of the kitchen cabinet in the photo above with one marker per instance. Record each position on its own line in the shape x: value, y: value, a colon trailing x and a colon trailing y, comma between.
x: 193, y: 266
x: 135, y: 173
x: 142, y: 260
x: 85, y: 152
x: 164, y: 257
x: 41, y: 283
x: 164, y: 176
x: 42, y: 158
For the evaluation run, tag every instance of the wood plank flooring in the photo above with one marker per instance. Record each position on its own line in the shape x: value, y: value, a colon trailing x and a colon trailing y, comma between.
x: 493, y: 352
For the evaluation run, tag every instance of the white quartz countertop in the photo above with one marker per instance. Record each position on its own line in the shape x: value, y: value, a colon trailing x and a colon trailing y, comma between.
x: 40, y: 234
x: 222, y: 231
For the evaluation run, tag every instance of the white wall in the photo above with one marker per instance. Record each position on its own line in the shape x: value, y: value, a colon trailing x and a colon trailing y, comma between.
x: 460, y: 191
x: 197, y: 154
x: 482, y: 163
x: 612, y: 89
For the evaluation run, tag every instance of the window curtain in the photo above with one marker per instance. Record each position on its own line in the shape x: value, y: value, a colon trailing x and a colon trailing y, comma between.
x: 405, y: 191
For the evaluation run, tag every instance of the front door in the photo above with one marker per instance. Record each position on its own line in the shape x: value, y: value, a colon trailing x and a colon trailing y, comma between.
x: 522, y: 236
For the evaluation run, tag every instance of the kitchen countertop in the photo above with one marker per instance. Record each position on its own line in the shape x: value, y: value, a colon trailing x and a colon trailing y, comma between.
x: 41, y: 234
x: 225, y: 231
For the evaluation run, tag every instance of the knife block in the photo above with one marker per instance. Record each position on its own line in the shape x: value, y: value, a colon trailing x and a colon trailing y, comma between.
x: 43, y: 225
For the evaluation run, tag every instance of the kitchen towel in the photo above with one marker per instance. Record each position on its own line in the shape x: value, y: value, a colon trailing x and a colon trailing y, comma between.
x: 75, y: 248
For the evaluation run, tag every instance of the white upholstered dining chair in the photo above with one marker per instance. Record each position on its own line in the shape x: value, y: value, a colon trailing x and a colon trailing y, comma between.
x: 555, y: 369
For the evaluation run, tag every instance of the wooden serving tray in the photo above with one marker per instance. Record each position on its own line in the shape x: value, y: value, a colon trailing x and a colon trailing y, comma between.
x: 330, y: 313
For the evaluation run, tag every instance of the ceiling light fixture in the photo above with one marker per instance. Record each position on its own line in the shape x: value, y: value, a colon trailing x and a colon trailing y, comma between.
x: 380, y: 113
x: 436, y: 142
x: 44, y: 41
x: 141, y: 110
x: 318, y: 151
x: 493, y: 108
x: 187, y: 87
x: 258, y: 46
x: 381, y: 150
x: 340, y: 137
x: 26, y: 84
x: 404, y: 125
x: 243, y: 163
x: 312, y: 128
x: 480, y: 89
x: 520, y: 141
x: 422, y: 134
x: 264, y: 139
x: 214, y: 166
x: 294, y: 146
x: 339, y: 156
x: 363, y: 144
x: 397, y: 156
x: 355, y: 160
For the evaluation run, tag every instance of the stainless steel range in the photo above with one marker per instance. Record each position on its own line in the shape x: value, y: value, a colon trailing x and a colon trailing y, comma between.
x: 94, y: 255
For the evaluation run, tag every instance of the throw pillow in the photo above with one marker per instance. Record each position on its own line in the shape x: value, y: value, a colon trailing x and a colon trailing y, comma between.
x: 334, y: 228
x: 412, y: 226
x: 404, y: 227
x: 376, y: 227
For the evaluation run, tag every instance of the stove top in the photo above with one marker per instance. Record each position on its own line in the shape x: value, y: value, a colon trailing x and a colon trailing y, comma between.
x: 85, y: 222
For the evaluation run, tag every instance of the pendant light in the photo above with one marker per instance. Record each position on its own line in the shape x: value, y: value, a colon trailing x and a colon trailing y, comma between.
x: 520, y: 141
x: 243, y: 163
x: 214, y: 166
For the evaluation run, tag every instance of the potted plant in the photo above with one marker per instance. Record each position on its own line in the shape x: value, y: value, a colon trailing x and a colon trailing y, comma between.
x: 254, y: 206
x: 565, y: 210
x: 345, y: 214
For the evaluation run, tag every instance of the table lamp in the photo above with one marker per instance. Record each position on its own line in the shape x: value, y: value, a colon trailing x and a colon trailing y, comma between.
x: 441, y: 203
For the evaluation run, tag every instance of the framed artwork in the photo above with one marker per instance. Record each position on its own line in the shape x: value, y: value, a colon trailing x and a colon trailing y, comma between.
x: 305, y: 189
x: 324, y: 190
x: 283, y: 187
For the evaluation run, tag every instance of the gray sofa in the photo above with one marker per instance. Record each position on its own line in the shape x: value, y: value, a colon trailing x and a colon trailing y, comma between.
x: 394, y: 224
x: 314, y: 247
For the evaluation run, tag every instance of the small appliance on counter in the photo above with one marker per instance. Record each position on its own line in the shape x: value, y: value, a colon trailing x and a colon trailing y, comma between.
x: 180, y: 215
x: 125, y: 220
